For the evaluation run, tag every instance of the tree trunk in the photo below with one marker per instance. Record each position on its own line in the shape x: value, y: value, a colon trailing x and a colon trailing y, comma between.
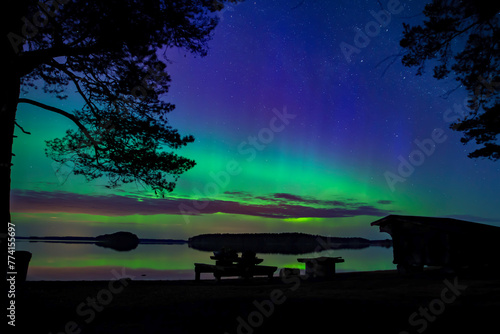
x: 9, y: 95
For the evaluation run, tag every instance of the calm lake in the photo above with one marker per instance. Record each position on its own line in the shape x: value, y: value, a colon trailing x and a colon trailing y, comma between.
x: 63, y: 261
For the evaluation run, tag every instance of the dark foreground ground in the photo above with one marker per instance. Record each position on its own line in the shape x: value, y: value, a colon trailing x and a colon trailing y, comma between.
x: 368, y: 302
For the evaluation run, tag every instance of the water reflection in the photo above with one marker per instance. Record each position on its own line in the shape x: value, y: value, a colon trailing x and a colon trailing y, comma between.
x: 64, y: 261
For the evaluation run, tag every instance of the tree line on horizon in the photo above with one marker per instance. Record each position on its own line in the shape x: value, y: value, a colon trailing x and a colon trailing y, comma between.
x: 282, y: 243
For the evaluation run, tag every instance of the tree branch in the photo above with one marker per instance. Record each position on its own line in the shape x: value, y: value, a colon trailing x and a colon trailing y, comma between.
x: 20, y: 127
x: 446, y: 42
x: 394, y: 58
x: 75, y: 80
x: 33, y: 59
x: 67, y: 115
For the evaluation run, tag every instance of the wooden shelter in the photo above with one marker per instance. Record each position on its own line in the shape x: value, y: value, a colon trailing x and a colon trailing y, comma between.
x: 444, y: 242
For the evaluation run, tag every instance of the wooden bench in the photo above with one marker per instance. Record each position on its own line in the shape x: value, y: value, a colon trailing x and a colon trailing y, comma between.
x: 233, y: 270
x: 321, y: 266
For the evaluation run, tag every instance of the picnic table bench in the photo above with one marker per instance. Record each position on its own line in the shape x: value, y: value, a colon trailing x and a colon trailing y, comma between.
x: 227, y: 265
x: 321, y: 266
x: 233, y: 270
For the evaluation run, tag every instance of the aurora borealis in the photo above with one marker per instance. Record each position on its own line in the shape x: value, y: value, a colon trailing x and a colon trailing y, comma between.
x: 290, y: 136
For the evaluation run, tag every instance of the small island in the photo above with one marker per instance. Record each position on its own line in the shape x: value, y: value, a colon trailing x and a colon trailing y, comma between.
x: 120, y: 241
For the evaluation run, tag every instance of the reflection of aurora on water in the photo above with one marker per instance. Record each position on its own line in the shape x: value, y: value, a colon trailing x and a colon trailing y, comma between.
x: 58, y: 261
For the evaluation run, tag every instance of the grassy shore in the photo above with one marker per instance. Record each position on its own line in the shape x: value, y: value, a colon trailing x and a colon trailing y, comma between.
x: 365, y: 302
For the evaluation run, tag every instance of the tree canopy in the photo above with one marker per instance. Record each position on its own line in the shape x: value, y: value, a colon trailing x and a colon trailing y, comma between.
x: 461, y: 38
x: 112, y: 53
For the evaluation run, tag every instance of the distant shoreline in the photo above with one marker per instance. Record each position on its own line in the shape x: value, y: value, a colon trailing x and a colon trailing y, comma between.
x: 218, y: 240
x: 283, y: 243
x: 89, y: 240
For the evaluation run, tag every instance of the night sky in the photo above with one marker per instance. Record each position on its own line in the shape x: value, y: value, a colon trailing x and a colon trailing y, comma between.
x: 301, y: 124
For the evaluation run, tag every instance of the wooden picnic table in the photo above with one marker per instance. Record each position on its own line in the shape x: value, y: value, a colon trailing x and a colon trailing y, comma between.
x: 226, y: 271
x: 225, y: 266
x: 323, y: 266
